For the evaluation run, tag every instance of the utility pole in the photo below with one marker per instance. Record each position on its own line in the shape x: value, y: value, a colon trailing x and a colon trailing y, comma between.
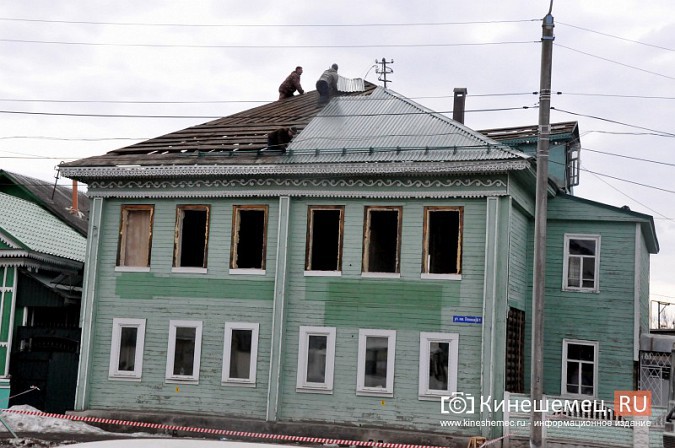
x: 384, y: 71
x: 540, y: 217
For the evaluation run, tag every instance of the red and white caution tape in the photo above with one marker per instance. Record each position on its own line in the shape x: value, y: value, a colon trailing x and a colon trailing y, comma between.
x: 221, y: 432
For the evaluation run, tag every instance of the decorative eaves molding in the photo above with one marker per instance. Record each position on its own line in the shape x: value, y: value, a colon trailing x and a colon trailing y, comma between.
x: 25, y: 258
x: 326, y: 188
x: 325, y: 169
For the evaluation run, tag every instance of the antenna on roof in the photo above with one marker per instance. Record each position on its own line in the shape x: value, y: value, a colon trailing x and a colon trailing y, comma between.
x: 384, y: 70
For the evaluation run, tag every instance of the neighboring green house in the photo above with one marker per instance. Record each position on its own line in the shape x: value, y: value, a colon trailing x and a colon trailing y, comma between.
x: 42, y: 248
x: 380, y: 263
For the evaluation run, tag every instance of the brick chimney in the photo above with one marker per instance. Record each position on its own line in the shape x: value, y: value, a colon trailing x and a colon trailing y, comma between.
x: 460, y: 101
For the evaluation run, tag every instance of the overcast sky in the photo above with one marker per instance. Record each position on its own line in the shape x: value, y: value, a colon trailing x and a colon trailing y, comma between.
x: 613, y: 61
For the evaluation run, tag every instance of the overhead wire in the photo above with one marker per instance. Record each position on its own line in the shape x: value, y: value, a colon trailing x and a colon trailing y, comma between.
x: 240, y: 115
x: 664, y: 133
x: 249, y: 47
x: 265, y: 25
x: 615, y: 36
x: 613, y: 61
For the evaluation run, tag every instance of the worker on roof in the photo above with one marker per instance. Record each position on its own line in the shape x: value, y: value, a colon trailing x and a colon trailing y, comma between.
x: 280, y: 138
x: 327, y: 84
x: 291, y: 84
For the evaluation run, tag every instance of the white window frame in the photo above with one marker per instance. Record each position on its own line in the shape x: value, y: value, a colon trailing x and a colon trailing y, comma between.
x: 563, y: 379
x: 303, y: 385
x: 115, y: 346
x: 425, y: 356
x: 361, y: 389
x: 171, y: 352
x: 566, y: 261
x: 227, y: 353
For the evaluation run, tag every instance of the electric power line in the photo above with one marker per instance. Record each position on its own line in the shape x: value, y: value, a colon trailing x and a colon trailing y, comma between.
x: 615, y: 62
x: 239, y: 115
x: 669, y: 134
x: 640, y: 159
x: 252, y: 47
x: 631, y: 198
x: 258, y: 25
x: 616, y: 37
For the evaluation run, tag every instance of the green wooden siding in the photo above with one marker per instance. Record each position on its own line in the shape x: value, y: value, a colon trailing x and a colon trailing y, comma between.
x: 644, y: 287
x: 408, y: 305
x: 159, y: 296
x: 520, y: 277
x: 606, y: 316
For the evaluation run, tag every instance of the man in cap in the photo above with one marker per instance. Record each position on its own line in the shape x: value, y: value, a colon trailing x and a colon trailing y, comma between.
x: 327, y: 84
x: 291, y: 84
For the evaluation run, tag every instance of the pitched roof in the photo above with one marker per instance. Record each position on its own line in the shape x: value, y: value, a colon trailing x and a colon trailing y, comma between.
x: 530, y: 133
x: 376, y: 125
x: 245, y: 130
x: 57, y: 200
x: 386, y: 126
x: 36, y: 229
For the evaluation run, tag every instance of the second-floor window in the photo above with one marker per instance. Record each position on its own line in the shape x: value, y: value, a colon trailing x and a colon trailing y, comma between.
x: 191, y: 237
x: 324, y: 238
x: 249, y: 235
x: 442, y: 253
x: 135, y: 240
x: 382, y: 240
x: 582, y: 263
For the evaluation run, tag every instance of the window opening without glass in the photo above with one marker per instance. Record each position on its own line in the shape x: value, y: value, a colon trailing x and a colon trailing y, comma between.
x: 381, y: 241
x: 442, y: 240
x: 249, y: 237
x: 192, y: 233
x: 324, y: 239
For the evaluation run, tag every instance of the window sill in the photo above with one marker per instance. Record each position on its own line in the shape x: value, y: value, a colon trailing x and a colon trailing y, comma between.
x: 381, y: 274
x: 323, y: 273
x: 311, y: 390
x: 374, y: 393
x: 181, y: 380
x: 182, y: 270
x: 583, y: 290
x: 433, y: 397
x: 247, y: 271
x: 238, y: 383
x: 136, y: 379
x: 132, y: 268
x: 441, y: 276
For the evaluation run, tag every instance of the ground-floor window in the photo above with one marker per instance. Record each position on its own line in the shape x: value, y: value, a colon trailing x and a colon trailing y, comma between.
x: 375, y: 369
x: 579, y: 368
x: 126, y: 349
x: 316, y: 359
x: 240, y: 353
x: 184, y: 352
x: 438, y: 364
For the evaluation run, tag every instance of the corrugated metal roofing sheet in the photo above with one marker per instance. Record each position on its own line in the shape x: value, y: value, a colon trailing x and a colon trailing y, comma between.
x: 388, y: 127
x: 350, y: 84
x: 56, y: 200
x: 39, y: 230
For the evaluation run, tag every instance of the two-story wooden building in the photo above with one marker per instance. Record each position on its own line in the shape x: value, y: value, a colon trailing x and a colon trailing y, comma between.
x: 381, y: 262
